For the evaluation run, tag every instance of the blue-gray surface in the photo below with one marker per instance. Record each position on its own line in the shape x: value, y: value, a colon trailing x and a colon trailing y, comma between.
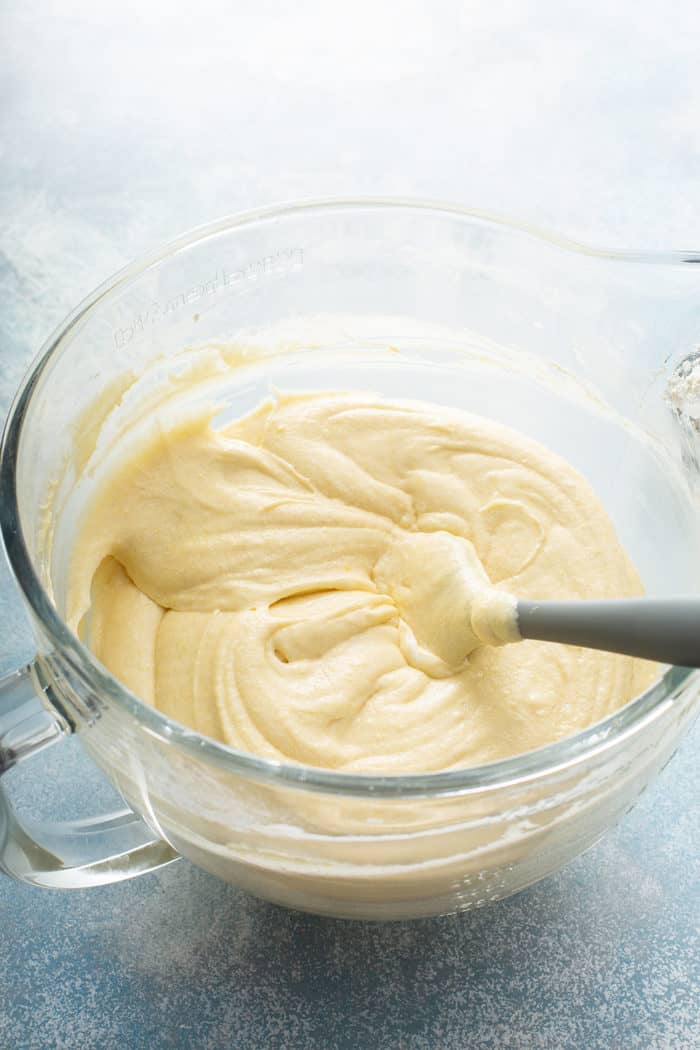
x: 122, y: 124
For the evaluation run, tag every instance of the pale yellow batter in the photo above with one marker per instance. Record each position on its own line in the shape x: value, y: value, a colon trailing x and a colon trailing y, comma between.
x: 314, y: 583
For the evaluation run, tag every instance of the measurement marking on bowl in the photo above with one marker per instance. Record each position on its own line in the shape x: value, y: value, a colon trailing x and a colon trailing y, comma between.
x: 223, y: 280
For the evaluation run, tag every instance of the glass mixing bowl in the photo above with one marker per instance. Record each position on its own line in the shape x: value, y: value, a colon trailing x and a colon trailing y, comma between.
x: 573, y: 346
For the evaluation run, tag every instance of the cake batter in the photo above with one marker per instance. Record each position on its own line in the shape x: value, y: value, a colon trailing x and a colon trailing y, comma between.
x: 323, y: 581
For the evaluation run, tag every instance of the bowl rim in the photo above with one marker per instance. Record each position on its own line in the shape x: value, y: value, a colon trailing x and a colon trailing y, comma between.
x: 550, y: 759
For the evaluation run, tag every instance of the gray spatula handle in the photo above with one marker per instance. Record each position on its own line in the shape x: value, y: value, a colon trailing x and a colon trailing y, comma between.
x: 663, y: 629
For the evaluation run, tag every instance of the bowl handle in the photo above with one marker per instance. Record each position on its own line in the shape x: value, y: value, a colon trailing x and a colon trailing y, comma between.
x: 73, y: 854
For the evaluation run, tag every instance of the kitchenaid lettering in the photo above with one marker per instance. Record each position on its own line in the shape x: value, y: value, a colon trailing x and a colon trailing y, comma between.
x: 221, y: 281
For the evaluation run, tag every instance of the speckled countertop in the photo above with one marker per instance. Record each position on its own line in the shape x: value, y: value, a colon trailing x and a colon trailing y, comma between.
x: 120, y: 126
